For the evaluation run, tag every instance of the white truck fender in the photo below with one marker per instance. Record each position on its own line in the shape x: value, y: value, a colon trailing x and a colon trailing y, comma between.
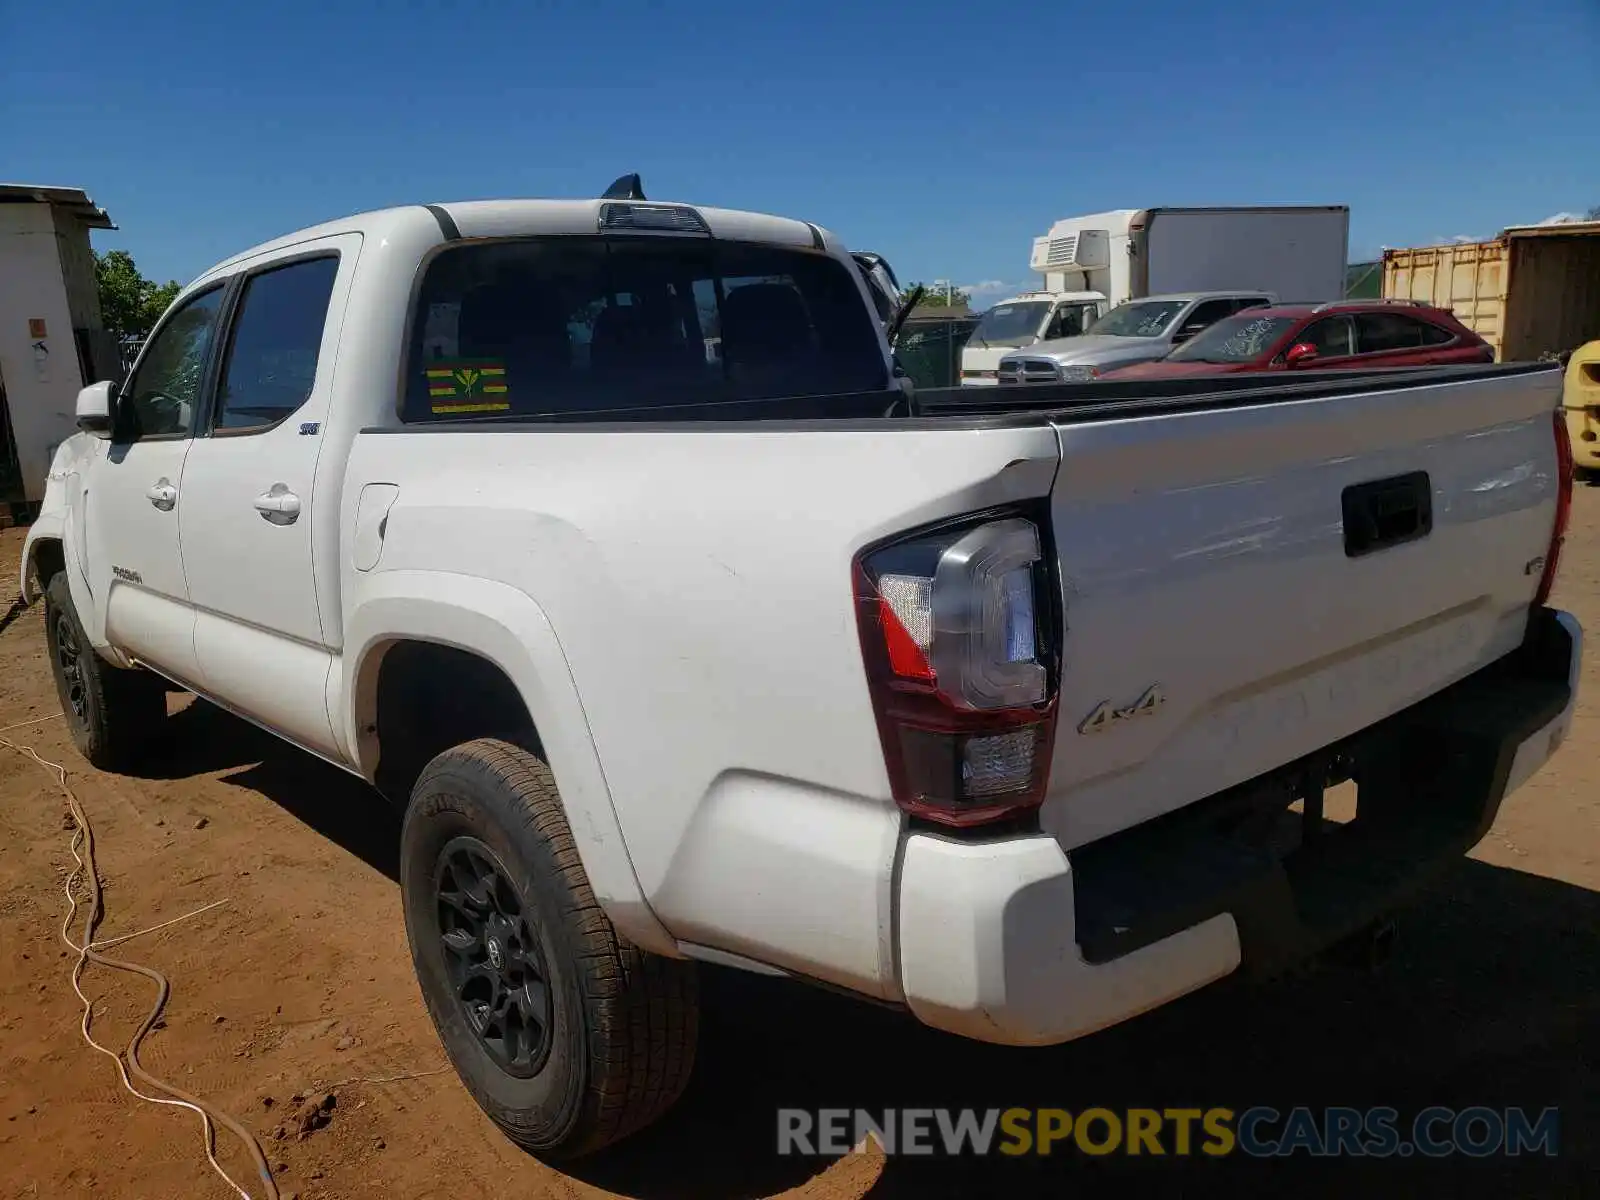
x: 55, y: 523
x: 48, y: 526
x: 505, y: 626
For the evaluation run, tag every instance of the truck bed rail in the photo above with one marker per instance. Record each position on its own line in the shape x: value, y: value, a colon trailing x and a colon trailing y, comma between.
x: 1023, y: 404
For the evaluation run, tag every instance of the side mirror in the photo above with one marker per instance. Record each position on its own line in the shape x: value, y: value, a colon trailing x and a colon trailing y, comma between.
x: 1187, y: 331
x: 94, y: 407
x: 1300, y: 354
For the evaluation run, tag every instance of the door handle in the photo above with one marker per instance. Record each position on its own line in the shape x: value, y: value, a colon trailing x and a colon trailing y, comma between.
x: 279, y: 506
x: 162, y: 494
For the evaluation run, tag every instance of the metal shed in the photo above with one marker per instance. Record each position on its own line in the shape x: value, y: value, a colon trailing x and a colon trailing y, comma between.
x: 52, y: 339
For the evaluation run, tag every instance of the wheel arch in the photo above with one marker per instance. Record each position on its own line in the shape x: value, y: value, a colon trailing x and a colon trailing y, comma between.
x: 53, y: 545
x: 491, y: 631
x: 44, y: 555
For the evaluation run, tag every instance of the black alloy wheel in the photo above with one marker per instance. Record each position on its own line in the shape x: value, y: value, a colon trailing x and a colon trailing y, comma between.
x: 69, y: 662
x: 493, y: 958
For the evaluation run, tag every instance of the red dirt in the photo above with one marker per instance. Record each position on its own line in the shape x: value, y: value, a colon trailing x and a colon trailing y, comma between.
x: 302, y: 981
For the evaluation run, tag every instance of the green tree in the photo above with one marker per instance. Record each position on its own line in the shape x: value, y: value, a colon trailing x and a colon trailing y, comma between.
x: 130, y: 304
x: 935, y: 295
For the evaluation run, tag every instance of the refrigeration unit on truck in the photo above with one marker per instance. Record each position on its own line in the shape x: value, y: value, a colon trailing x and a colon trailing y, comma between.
x: 1092, y: 264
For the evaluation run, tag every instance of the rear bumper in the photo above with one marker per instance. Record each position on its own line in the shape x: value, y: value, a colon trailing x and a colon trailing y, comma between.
x: 1020, y: 943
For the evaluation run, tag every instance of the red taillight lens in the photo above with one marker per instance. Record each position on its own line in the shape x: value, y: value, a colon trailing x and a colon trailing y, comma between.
x: 1558, y: 534
x: 955, y: 631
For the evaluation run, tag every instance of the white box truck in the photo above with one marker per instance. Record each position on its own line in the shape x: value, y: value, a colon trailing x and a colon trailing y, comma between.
x: 1092, y: 264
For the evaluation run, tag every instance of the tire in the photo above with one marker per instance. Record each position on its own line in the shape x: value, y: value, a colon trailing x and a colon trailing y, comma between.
x: 115, y: 716
x: 621, y: 1024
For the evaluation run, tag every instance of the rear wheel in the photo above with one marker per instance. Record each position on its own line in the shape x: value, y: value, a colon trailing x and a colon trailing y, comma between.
x: 567, y: 1035
x: 114, y: 715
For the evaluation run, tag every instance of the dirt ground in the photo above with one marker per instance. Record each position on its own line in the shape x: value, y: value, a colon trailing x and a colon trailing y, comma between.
x: 302, y: 981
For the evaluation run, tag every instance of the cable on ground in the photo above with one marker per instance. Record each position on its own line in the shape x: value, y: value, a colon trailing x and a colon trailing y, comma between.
x: 89, y: 949
x: 88, y: 874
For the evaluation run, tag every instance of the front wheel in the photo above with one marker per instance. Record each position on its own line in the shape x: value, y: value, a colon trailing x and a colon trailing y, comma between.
x: 569, y: 1037
x: 114, y: 715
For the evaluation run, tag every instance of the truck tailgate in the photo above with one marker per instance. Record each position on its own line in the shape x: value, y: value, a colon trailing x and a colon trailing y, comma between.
x: 1221, y: 616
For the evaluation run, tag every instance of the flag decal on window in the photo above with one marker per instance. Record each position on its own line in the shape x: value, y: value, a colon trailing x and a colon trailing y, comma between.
x: 467, y: 385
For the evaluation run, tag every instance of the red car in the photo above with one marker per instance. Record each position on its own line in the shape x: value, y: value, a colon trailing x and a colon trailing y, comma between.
x: 1344, y: 334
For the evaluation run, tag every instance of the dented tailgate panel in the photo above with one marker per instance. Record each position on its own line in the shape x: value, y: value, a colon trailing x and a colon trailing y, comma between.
x: 1217, y: 623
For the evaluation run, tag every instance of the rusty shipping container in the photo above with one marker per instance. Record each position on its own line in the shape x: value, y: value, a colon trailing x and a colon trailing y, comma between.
x: 1533, y: 290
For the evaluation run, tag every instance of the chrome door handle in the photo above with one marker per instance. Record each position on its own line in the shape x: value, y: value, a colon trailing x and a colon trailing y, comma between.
x: 162, y: 494
x: 279, y: 506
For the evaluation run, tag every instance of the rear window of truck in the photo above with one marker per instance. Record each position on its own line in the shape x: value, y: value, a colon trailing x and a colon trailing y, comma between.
x: 569, y: 326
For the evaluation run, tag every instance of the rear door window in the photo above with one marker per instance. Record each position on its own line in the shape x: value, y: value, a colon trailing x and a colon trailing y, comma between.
x: 1377, y: 332
x: 576, y: 326
x: 271, y: 363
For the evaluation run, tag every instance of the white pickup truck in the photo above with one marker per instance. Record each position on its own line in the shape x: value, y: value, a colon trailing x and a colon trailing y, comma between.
x: 602, y: 537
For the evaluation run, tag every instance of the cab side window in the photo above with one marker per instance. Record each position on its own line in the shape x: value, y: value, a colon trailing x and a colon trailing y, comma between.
x: 1066, y: 322
x: 1208, y: 313
x: 271, y: 361
x: 159, y: 401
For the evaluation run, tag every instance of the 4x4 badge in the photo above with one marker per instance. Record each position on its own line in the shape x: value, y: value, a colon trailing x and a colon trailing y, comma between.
x: 1108, y: 714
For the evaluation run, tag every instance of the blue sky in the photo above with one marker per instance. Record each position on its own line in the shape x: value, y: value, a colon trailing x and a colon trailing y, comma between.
x: 943, y: 135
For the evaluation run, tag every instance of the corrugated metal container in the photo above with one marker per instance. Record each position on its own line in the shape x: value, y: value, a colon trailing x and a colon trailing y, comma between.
x: 1531, y: 291
x: 1465, y: 277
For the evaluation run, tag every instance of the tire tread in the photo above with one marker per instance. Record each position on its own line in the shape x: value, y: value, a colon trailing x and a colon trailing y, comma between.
x: 643, y: 1007
x: 131, y: 704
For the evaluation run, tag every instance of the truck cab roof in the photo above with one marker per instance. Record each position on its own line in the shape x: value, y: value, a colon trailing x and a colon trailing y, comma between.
x: 531, y: 217
x: 1049, y: 295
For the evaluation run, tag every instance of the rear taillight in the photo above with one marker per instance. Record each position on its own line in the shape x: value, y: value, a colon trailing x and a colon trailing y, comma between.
x: 958, y: 634
x: 1558, y: 534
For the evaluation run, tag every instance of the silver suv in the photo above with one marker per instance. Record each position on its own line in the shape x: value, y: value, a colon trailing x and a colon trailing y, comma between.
x: 1138, y: 331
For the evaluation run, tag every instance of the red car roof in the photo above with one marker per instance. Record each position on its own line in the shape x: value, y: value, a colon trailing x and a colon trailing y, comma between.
x: 1427, y: 311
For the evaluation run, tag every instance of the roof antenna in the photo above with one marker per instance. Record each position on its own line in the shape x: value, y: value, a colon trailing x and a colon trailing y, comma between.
x: 626, y: 187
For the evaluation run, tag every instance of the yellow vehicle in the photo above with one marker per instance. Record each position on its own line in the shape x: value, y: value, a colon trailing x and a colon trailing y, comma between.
x: 1581, y: 399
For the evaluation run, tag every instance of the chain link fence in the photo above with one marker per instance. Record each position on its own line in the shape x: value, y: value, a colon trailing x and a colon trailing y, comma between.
x: 929, y: 349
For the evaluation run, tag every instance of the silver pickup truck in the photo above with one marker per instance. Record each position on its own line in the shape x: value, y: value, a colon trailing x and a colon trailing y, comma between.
x: 1141, y: 331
